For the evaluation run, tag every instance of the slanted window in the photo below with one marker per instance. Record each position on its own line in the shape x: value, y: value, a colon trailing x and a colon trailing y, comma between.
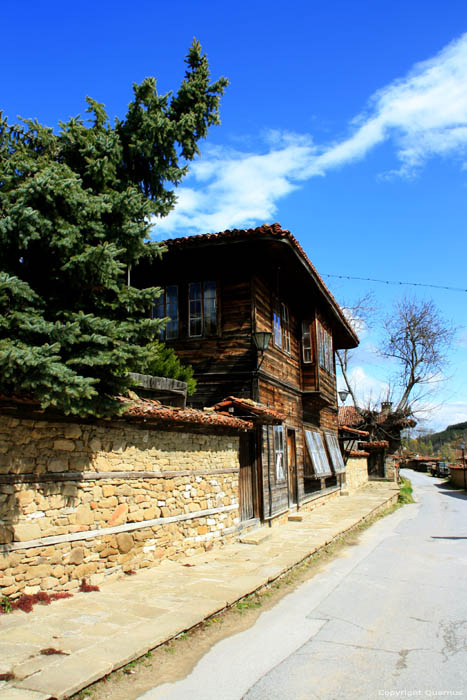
x: 279, y: 454
x: 317, y: 453
x: 334, y: 452
x: 307, y: 352
x: 285, y: 328
x: 202, y: 309
x: 277, y: 327
x: 325, y: 352
x: 166, y: 306
x: 281, y: 326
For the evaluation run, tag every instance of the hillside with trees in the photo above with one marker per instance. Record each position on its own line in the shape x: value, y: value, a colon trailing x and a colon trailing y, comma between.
x: 445, y: 443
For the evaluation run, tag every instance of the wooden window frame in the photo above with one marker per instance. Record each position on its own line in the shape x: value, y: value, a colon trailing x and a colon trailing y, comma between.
x: 335, y: 453
x: 325, y: 348
x: 285, y: 328
x: 277, y: 326
x: 280, y: 471
x: 317, y: 453
x: 307, y: 342
x: 281, y: 326
x: 165, y: 306
x: 205, y: 312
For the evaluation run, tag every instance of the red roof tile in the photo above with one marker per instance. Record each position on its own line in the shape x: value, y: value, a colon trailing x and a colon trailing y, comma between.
x: 354, y: 431
x: 155, y: 411
x: 252, y: 407
x: 276, y: 231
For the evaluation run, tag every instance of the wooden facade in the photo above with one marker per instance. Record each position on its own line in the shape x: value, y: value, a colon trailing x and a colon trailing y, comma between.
x: 263, y: 281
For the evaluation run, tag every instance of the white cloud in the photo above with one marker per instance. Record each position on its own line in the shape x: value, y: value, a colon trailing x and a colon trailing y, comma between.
x: 438, y: 417
x: 369, y: 390
x: 423, y: 114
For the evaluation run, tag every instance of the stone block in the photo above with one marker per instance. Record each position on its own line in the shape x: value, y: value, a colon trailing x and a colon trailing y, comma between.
x: 84, y: 515
x: 6, y: 534
x: 125, y: 542
x: 72, y: 431
x: 65, y: 445
x: 26, y: 531
x: 119, y: 515
x: 79, y: 463
x: 57, y: 465
x: 108, y: 490
x: 76, y: 555
x: 95, y: 444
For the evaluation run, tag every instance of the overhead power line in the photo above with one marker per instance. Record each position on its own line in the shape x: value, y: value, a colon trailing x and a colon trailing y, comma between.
x: 412, y: 284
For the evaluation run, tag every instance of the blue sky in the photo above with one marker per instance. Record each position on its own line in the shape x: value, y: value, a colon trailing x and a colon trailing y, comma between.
x: 346, y: 122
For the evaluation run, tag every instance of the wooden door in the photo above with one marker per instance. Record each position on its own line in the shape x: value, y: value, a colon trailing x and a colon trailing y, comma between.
x: 246, y: 481
x: 292, y: 464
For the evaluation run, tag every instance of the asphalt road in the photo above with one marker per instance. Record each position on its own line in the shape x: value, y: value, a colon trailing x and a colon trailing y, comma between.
x: 387, y: 619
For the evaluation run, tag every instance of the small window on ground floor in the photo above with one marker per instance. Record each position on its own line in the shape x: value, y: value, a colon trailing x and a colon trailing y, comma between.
x: 279, y: 453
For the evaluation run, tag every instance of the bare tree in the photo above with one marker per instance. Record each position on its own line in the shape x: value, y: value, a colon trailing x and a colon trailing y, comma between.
x: 418, y: 338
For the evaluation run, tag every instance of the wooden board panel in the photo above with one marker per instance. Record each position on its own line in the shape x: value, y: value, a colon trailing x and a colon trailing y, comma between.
x: 246, y: 482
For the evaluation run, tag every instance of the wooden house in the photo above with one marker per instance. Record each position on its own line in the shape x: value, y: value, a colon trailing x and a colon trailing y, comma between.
x: 221, y: 291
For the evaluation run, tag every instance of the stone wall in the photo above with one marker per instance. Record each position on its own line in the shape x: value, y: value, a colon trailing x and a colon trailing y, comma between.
x: 356, y: 473
x: 94, y: 500
x: 457, y: 476
x: 391, y: 468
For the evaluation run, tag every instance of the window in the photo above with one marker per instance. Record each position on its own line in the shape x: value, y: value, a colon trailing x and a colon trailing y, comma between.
x: 166, y: 305
x: 285, y: 329
x: 279, y: 457
x: 307, y: 352
x: 202, y: 309
x: 281, y: 327
x: 335, y: 452
x: 277, y: 328
x: 317, y: 453
x: 325, y: 352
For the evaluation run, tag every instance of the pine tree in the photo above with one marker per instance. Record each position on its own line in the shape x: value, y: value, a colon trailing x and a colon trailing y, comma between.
x: 76, y: 209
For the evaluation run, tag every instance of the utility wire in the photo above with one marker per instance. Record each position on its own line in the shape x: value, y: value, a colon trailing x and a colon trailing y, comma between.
x: 413, y: 284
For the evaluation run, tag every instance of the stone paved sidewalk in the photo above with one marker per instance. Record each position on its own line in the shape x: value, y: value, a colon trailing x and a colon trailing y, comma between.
x: 102, y: 631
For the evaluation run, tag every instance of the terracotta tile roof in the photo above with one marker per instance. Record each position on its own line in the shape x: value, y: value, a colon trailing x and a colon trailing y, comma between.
x: 276, y: 231
x: 358, y: 453
x: 252, y: 407
x: 402, y: 422
x: 348, y: 415
x: 154, y: 411
x: 354, y: 431
x: 374, y: 444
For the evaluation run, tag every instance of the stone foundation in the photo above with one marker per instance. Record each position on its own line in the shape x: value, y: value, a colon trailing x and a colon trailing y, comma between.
x: 94, y: 500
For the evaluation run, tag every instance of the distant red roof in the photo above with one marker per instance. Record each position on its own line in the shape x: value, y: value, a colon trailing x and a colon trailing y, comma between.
x: 275, y: 231
x: 251, y: 407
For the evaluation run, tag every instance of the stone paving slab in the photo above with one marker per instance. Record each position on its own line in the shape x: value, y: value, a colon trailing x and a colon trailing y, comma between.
x: 102, y: 631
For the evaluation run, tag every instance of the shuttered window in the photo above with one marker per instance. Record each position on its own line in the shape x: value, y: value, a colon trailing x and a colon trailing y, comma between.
x: 335, y: 452
x: 317, y: 453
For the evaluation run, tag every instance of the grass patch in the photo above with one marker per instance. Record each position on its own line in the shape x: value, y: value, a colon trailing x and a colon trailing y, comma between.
x: 405, y: 495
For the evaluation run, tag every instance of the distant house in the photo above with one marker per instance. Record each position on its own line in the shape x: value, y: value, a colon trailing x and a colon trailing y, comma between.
x: 381, y: 439
x: 224, y: 294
